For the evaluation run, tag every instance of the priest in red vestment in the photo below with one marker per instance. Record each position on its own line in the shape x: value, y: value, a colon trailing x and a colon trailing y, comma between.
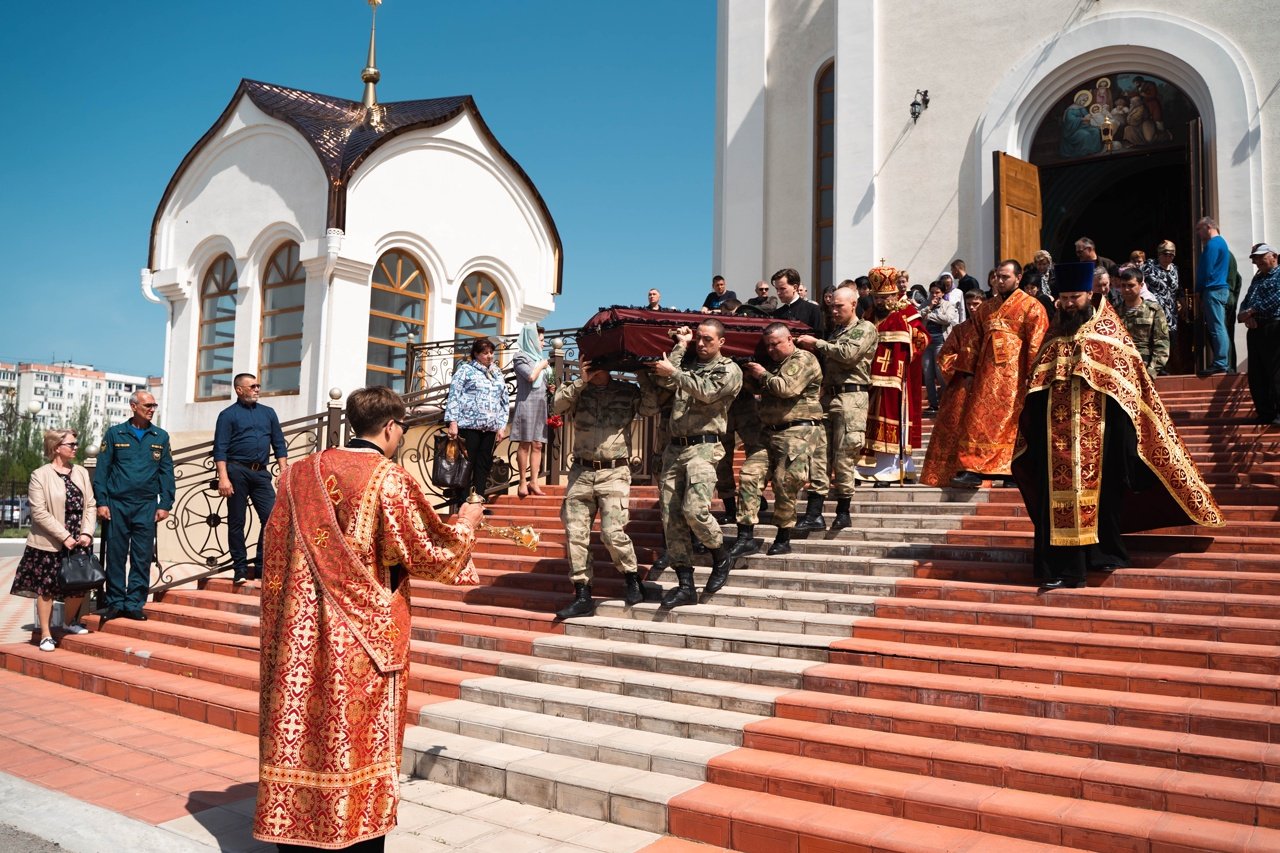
x: 348, y: 530
x: 1010, y: 329
x: 897, y: 384
x: 1097, y: 454
x: 956, y: 362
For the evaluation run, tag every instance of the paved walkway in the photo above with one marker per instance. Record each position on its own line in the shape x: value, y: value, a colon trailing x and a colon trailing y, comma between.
x: 96, y: 775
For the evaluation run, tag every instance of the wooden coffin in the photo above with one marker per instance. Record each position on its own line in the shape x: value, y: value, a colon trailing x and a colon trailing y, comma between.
x: 625, y: 338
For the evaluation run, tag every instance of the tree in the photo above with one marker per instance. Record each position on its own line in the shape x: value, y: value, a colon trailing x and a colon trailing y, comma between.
x: 21, y: 445
x: 81, y: 422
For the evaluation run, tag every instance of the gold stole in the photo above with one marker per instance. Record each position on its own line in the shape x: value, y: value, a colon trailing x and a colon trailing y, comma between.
x: 1075, y: 425
x: 355, y: 595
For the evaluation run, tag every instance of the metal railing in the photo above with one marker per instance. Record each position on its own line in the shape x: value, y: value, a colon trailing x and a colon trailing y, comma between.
x: 197, y: 526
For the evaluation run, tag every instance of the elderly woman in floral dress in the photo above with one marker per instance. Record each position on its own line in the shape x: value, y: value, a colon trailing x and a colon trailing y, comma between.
x: 1161, y: 276
x: 63, y: 516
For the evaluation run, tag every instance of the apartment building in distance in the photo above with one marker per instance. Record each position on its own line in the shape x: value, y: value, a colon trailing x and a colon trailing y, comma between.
x: 62, y: 388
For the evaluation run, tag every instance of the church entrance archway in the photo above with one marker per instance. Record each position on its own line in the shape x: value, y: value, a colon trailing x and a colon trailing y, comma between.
x: 1118, y: 157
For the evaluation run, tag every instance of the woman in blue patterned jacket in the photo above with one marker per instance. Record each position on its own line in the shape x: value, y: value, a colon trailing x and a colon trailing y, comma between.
x: 478, y: 409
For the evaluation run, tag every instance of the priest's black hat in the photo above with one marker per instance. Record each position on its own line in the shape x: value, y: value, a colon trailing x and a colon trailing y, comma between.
x: 1075, y: 277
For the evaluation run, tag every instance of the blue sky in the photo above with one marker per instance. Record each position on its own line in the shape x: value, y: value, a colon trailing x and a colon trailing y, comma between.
x: 609, y: 107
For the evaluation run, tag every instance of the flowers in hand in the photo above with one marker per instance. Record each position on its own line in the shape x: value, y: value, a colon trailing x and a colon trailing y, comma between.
x: 555, y: 421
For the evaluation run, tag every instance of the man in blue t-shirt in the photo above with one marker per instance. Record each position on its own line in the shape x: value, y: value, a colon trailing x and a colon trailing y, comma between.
x: 246, y: 434
x: 1213, y: 291
x: 720, y: 294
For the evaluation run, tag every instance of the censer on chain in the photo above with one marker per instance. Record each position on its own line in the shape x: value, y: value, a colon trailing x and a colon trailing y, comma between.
x: 525, y: 537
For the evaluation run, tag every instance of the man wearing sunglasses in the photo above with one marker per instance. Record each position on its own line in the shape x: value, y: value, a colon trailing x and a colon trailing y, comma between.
x: 246, y: 434
x: 134, y: 486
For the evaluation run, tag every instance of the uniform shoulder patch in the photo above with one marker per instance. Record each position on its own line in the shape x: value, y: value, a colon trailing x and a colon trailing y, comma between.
x: 791, y: 369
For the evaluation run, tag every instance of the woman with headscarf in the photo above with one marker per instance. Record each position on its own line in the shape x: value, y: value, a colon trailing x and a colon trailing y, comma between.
x: 529, y: 426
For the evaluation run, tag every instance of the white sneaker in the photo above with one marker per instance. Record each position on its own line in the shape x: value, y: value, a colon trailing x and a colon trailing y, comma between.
x: 47, y: 644
x: 76, y: 628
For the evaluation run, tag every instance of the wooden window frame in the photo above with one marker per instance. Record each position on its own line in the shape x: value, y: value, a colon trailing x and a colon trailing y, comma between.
x: 820, y: 224
x: 397, y: 286
x: 263, y: 340
x: 226, y: 261
x: 500, y: 315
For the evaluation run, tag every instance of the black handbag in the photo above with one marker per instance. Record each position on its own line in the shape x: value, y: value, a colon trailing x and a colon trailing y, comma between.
x: 451, y: 468
x: 80, y: 571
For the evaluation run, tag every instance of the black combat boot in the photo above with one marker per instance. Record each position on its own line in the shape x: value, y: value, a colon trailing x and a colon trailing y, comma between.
x: 781, y: 543
x: 764, y: 504
x: 721, y: 562
x: 745, y: 544
x: 582, y: 604
x: 660, y: 565
x: 812, y: 514
x: 635, y: 591
x: 842, y: 519
x: 730, y: 514
x: 682, y: 594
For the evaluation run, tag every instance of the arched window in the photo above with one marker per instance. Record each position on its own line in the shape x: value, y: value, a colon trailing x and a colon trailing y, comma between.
x: 824, y: 177
x: 215, y: 353
x: 397, y: 309
x: 283, y: 291
x: 480, y: 308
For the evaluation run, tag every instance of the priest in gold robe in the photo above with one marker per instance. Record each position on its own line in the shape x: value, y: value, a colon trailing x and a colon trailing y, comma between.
x: 348, y: 530
x: 1010, y: 328
x: 1097, y: 454
x: 897, y: 384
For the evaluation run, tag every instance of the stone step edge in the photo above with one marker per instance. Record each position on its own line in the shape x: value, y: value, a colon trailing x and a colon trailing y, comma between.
x: 1252, y: 801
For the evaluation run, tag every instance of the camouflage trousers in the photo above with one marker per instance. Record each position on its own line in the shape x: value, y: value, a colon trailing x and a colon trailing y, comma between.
x: 846, y: 432
x: 684, y: 496
x: 790, y: 464
x: 751, y: 480
x: 819, y: 473
x: 608, y: 491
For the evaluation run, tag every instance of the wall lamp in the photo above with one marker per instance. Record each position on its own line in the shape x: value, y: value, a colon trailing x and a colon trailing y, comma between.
x: 919, y: 105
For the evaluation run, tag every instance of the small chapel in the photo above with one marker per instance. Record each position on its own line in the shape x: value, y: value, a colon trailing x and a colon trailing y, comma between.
x: 307, y: 239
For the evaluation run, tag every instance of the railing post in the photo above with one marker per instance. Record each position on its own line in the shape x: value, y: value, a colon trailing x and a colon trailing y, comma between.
x: 333, y: 421
x: 555, y: 438
x: 408, y: 364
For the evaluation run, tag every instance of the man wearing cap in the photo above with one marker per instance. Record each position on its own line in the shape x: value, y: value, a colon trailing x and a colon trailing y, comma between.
x: 1213, y: 289
x: 1261, y: 316
x: 1009, y: 328
x: 897, y: 384
x: 1097, y: 454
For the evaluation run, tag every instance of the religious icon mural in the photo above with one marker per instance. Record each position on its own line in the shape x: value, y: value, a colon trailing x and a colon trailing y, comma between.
x: 1111, y: 114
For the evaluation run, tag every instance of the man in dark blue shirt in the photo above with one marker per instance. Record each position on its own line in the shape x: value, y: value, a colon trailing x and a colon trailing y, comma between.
x: 243, y: 440
x: 720, y: 294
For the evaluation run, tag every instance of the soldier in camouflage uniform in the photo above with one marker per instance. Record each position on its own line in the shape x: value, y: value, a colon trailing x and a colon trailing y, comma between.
x: 744, y: 417
x: 1145, y: 321
x: 846, y: 359
x: 658, y: 401
x: 704, y: 389
x: 602, y: 410
x: 791, y: 412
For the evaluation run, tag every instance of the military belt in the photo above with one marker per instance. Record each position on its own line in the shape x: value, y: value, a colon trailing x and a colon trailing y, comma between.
x: 600, y: 465
x: 847, y: 387
x: 252, y: 466
x: 687, y: 440
x: 785, y: 425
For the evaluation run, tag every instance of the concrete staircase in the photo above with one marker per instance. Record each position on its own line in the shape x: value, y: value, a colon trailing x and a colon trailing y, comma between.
x: 897, y: 686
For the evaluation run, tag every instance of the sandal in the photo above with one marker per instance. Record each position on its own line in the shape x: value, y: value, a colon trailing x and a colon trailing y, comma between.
x: 47, y: 644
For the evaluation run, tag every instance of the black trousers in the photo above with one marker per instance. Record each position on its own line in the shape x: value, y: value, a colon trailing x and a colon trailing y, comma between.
x: 254, y: 487
x: 1264, y: 369
x: 479, y: 444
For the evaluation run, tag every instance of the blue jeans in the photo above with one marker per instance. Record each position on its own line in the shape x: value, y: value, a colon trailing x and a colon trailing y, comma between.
x: 932, y: 375
x: 1213, y: 302
x: 248, y: 486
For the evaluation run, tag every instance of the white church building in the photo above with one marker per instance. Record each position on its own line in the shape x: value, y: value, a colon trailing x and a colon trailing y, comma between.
x: 307, y: 238
x: 922, y: 131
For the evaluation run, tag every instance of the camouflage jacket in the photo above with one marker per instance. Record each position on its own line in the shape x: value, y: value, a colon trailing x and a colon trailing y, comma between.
x: 791, y: 389
x: 601, y: 416
x: 1150, y: 332
x: 704, y: 391
x: 846, y: 353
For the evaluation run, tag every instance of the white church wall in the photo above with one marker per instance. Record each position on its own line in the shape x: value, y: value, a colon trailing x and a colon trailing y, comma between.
x: 981, y: 66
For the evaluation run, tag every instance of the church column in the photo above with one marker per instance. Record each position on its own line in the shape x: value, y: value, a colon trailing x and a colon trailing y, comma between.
x: 344, y: 340
x: 742, y: 53
x: 855, y: 234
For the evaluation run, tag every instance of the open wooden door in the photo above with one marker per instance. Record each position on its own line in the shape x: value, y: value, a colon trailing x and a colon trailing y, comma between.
x: 1193, y: 354
x: 1017, y: 207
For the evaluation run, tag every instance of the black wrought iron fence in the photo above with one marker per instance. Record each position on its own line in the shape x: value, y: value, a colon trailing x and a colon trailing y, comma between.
x: 197, y: 527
